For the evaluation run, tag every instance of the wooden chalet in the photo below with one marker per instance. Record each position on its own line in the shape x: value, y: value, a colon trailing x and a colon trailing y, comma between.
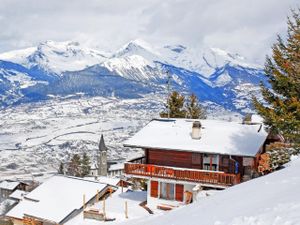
x: 182, y: 154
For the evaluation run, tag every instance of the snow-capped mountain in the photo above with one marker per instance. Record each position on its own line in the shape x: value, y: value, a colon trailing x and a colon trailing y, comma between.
x: 56, y: 57
x: 137, y: 68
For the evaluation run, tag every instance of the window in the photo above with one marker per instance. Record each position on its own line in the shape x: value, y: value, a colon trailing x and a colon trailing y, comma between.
x: 167, y: 191
x: 210, y: 162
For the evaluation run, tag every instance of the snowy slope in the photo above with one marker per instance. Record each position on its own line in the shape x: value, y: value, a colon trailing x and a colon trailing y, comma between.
x: 270, y: 200
x: 13, y: 79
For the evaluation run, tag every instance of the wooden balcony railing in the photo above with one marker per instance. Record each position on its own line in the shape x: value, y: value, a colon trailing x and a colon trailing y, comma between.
x: 207, y: 177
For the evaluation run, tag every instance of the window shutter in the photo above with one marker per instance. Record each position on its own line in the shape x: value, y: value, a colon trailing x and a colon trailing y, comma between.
x: 154, y: 189
x: 179, y: 192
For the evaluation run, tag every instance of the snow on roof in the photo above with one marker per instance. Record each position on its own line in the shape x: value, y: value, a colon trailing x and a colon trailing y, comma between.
x: 219, y: 137
x: 56, y: 198
x: 18, y: 194
x: 9, y: 185
x: 117, y: 166
x: 108, y: 180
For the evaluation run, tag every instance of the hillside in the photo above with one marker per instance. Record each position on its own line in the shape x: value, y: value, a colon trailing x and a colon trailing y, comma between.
x: 273, y: 199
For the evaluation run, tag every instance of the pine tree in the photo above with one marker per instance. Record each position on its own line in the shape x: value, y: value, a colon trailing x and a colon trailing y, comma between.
x: 194, y: 109
x: 176, y: 106
x: 61, y: 169
x: 74, y: 166
x: 282, y: 111
x: 85, y: 165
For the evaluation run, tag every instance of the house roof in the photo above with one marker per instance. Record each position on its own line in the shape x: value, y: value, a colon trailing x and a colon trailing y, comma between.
x: 9, y: 185
x: 18, y: 194
x: 219, y: 137
x: 56, y: 198
x: 117, y: 166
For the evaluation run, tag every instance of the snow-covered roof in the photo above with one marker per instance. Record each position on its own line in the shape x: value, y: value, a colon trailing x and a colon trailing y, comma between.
x: 117, y: 166
x: 56, y: 198
x: 108, y: 180
x: 9, y: 185
x: 220, y: 137
x: 18, y: 194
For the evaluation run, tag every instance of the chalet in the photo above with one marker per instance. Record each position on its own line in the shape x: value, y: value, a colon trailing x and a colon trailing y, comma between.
x: 7, y: 187
x: 56, y: 201
x: 182, y: 155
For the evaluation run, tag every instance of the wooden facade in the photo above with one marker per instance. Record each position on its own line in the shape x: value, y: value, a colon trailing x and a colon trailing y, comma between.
x: 194, y: 160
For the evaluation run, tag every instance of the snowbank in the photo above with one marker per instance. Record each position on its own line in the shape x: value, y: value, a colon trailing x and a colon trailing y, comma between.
x: 272, y: 199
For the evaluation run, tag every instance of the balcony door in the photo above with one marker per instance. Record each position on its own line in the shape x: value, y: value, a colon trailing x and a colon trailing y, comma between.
x: 211, y: 162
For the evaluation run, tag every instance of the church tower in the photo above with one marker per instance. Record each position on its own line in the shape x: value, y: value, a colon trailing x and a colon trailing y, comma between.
x: 102, y: 158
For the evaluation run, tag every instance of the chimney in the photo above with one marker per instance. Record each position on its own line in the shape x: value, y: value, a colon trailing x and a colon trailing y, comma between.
x: 196, y: 130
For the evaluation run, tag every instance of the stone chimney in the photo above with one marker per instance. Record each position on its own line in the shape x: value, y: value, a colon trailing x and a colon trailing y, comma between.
x: 196, y: 130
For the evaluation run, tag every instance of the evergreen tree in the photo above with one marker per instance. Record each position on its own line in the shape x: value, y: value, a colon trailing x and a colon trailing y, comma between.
x: 194, y: 109
x: 61, y: 169
x: 176, y: 106
x: 74, y: 166
x: 282, y: 111
x: 85, y: 165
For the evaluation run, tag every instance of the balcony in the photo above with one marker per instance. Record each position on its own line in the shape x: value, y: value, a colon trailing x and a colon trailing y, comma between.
x: 197, y: 176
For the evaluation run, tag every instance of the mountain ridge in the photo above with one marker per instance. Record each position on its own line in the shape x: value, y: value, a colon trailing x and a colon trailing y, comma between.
x: 212, y: 73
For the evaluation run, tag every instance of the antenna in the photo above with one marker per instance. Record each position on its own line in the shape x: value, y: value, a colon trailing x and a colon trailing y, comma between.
x: 168, y: 88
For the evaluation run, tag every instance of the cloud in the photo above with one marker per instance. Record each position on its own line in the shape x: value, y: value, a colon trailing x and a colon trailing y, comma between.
x: 246, y: 27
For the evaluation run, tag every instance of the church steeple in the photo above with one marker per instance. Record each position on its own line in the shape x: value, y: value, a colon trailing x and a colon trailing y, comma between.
x: 102, y: 146
x: 102, y: 158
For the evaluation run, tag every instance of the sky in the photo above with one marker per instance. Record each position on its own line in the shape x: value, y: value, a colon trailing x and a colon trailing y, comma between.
x: 246, y: 27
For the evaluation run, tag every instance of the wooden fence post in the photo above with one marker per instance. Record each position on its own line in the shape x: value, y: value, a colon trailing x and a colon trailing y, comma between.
x: 126, y: 210
x: 104, y: 213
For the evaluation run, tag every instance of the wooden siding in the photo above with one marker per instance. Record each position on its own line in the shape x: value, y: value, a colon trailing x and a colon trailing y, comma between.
x: 190, y: 160
x: 154, y: 189
x: 179, y: 192
x: 174, y: 158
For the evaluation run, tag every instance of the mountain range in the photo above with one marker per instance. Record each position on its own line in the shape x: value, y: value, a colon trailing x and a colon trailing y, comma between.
x: 68, y: 69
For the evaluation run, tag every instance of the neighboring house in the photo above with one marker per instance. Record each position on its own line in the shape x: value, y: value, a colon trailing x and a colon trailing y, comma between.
x: 56, y: 201
x: 7, y: 187
x: 184, y: 155
x: 94, y: 170
x: 18, y: 195
x: 117, y: 169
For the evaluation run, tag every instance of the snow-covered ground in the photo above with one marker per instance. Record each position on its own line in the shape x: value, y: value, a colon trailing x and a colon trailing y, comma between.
x: 115, y: 208
x: 273, y: 199
x: 35, y: 138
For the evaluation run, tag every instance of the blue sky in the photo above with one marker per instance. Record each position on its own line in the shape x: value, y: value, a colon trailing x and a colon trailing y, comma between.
x: 245, y: 27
